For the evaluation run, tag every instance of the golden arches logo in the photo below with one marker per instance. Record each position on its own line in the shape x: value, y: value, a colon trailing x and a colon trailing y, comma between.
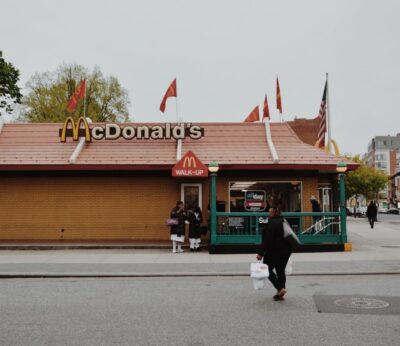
x: 335, y: 147
x: 189, y: 162
x: 75, y: 129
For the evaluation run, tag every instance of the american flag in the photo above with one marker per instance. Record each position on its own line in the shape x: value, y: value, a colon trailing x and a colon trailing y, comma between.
x: 322, y: 119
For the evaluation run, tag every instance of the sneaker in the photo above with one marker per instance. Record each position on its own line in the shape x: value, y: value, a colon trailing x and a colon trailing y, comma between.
x: 180, y: 250
x: 173, y: 251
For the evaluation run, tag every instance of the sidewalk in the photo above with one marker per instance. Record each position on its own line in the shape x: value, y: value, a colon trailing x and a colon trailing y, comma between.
x: 374, y: 252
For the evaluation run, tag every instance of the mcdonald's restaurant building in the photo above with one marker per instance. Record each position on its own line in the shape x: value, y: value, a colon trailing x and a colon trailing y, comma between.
x: 103, y: 182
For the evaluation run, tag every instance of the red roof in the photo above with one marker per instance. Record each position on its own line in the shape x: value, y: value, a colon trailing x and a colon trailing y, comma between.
x: 232, y: 145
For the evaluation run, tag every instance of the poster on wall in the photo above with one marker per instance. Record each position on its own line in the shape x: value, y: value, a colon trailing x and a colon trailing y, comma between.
x: 254, y: 200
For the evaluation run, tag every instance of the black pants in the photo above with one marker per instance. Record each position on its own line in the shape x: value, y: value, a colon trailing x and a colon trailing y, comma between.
x: 371, y: 220
x: 278, y: 279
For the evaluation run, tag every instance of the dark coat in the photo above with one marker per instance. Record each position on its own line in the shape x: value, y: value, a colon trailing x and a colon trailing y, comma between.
x: 178, y: 229
x: 274, y: 248
x: 195, y: 225
x: 372, y: 210
x: 316, y: 208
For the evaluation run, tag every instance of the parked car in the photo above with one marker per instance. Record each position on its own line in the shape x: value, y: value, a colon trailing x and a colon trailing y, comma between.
x: 362, y: 211
x: 393, y: 210
x: 383, y: 209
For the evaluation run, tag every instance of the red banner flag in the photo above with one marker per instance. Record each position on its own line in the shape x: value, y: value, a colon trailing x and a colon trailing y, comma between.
x: 253, y: 116
x: 278, y: 96
x: 79, y: 94
x: 266, y: 108
x: 171, y: 92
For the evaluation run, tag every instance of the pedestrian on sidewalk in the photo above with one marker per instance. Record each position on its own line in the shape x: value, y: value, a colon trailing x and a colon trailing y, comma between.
x: 276, y: 252
x: 195, y: 220
x: 178, y: 231
x: 372, y: 212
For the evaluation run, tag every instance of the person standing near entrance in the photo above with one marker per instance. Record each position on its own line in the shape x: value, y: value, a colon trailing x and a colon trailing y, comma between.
x: 372, y: 211
x: 195, y: 219
x: 316, y: 208
x: 276, y: 252
x: 178, y: 231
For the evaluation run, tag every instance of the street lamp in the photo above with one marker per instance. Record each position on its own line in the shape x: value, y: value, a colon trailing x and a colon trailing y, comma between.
x: 341, y: 168
x: 213, y: 168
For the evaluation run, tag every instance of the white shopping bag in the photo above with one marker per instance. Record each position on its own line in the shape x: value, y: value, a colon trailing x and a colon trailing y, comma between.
x: 259, y: 270
x: 289, y: 267
x: 258, y: 284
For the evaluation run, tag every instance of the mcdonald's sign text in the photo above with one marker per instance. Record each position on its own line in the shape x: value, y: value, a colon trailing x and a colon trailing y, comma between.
x: 114, y: 131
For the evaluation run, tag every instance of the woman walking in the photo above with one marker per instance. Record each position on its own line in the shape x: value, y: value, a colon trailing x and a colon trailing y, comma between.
x: 372, y: 211
x: 178, y: 230
x: 276, y: 252
x: 195, y: 219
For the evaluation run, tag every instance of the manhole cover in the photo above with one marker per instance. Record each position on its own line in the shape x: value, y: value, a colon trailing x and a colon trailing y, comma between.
x: 361, y: 303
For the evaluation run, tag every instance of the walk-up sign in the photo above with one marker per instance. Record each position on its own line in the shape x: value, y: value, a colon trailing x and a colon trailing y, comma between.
x: 190, y: 166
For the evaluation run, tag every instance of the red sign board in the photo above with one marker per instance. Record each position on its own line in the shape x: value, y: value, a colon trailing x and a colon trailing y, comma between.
x: 190, y: 166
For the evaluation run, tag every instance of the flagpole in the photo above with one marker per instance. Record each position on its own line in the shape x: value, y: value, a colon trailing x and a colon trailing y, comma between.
x: 84, y: 103
x: 177, y: 116
x: 328, y: 111
x: 176, y: 101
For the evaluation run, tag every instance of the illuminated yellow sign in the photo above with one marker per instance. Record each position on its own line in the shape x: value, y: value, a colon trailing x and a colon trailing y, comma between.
x: 75, y: 129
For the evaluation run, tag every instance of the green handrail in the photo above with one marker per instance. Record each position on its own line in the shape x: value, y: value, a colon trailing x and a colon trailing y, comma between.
x: 250, y: 232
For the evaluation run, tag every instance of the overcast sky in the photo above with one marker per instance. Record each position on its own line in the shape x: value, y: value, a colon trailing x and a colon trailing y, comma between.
x: 226, y: 56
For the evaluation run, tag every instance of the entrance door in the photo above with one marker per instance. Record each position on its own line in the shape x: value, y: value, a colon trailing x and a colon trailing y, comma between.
x: 191, y: 196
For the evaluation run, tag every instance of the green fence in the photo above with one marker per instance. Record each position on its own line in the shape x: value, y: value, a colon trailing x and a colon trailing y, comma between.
x: 246, y: 227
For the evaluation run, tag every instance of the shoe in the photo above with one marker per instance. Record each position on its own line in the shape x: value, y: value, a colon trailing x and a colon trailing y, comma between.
x: 281, y: 292
x: 180, y: 250
x: 173, y: 251
x: 198, y: 249
x: 278, y: 298
x: 192, y: 250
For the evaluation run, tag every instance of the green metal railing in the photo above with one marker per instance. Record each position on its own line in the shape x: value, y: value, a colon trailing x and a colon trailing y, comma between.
x: 246, y: 227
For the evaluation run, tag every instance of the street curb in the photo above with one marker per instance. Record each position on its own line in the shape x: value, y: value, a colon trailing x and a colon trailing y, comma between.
x: 166, y: 275
x: 85, y: 247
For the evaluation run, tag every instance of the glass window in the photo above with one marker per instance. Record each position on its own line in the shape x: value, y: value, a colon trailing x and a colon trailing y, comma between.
x: 380, y: 157
x: 245, y: 194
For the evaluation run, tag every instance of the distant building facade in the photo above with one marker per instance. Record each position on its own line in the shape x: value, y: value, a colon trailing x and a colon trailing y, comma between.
x: 384, y: 154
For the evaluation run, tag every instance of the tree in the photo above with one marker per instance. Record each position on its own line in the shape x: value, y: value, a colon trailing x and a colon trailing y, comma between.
x: 10, y: 93
x: 365, y: 180
x: 49, y: 93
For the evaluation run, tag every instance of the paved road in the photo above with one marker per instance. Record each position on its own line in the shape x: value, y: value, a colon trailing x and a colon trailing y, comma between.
x: 195, y: 311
